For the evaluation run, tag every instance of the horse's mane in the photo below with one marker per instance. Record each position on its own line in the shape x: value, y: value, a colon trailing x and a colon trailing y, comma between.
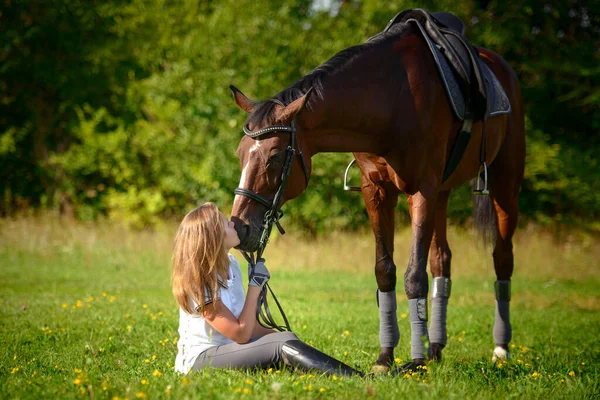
x: 263, y: 110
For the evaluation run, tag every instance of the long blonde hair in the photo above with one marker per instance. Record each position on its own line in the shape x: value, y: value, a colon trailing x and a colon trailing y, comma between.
x: 199, y: 258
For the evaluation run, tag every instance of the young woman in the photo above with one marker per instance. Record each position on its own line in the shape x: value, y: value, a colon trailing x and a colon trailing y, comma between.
x: 217, y: 321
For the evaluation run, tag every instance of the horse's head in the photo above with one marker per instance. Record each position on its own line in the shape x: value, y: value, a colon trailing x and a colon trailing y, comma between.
x: 269, y: 147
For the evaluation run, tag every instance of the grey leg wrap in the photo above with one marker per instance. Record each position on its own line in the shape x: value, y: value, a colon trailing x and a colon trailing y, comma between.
x: 418, y: 326
x: 439, y: 304
x: 502, y: 327
x: 389, y: 334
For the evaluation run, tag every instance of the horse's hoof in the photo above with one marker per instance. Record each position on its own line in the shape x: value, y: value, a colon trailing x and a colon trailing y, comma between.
x: 416, y: 365
x: 500, y: 354
x: 379, y: 369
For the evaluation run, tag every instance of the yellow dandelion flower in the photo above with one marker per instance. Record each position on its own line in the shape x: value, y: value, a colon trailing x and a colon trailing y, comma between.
x: 145, y: 306
x: 156, y: 373
x: 77, y: 382
x: 100, y: 349
x: 459, y: 339
x: 14, y: 370
x: 347, y: 333
x: 403, y: 316
x: 154, y: 356
x: 269, y: 370
x: 112, y: 298
x: 104, y: 294
x: 303, y: 326
x: 76, y: 371
x: 185, y: 380
x: 65, y: 305
x: 572, y: 373
x: 512, y: 346
x: 144, y: 382
x: 160, y: 313
x: 249, y: 382
x: 322, y: 389
x: 91, y: 298
x: 247, y: 391
x: 79, y: 304
x: 535, y: 374
x: 141, y: 395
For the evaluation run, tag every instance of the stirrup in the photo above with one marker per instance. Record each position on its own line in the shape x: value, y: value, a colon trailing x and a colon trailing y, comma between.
x: 482, y: 190
x: 346, y: 187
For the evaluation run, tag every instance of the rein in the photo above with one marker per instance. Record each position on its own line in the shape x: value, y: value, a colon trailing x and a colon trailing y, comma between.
x: 272, y: 216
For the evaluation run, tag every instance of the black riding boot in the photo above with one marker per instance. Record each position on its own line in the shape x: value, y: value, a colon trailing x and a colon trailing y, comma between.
x: 298, y: 354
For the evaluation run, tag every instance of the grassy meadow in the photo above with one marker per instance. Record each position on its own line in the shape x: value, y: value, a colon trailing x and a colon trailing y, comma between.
x: 86, y: 311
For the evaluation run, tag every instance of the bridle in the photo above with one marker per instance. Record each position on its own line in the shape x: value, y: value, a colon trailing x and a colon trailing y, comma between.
x: 272, y: 215
x: 274, y: 212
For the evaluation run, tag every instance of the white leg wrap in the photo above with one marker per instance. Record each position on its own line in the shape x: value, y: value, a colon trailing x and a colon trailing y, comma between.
x: 418, y: 325
x: 439, y: 304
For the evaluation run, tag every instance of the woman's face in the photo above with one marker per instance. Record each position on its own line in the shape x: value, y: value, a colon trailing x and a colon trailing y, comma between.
x: 231, y: 236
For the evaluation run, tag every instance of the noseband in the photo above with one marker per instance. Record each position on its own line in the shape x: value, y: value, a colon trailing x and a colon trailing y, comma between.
x: 274, y: 212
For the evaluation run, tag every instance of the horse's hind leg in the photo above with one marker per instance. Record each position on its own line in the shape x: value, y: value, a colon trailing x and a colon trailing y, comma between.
x: 506, y: 206
x: 380, y: 205
x: 439, y: 260
x: 505, y: 178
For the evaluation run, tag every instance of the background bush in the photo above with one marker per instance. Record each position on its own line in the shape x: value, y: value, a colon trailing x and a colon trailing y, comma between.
x: 121, y: 109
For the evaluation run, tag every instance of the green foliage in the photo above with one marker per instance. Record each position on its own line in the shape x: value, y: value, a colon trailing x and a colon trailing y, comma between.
x: 122, y: 109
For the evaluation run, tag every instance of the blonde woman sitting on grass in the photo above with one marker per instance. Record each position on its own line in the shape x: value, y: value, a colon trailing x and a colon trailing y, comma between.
x: 217, y: 320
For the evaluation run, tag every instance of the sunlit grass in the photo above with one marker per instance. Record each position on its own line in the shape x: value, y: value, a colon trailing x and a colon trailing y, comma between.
x: 87, y: 312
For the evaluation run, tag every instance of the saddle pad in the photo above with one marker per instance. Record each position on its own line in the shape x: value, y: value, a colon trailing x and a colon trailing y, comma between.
x: 497, y: 101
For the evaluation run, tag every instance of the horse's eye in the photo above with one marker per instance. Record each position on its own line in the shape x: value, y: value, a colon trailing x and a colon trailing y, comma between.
x: 275, y: 159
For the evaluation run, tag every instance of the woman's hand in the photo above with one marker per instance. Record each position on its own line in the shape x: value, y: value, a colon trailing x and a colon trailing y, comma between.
x: 259, y: 274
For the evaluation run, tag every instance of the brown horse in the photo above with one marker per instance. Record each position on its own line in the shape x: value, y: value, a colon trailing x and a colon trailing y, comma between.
x: 385, y: 102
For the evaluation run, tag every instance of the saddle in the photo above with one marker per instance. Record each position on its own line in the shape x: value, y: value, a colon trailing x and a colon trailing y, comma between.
x: 473, y: 90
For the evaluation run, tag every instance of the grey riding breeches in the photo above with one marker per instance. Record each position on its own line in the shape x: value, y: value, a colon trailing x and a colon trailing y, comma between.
x: 259, y: 353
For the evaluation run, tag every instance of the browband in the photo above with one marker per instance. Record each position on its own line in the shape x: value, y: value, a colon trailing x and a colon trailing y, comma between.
x: 268, y: 129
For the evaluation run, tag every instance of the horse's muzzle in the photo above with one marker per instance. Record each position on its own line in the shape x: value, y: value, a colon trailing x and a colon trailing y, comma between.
x: 249, y: 237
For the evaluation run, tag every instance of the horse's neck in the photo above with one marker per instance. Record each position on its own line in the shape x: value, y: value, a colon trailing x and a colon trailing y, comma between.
x: 340, y: 139
x: 357, y: 115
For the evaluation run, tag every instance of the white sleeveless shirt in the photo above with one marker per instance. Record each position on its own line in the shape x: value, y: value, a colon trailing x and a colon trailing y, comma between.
x: 195, y: 334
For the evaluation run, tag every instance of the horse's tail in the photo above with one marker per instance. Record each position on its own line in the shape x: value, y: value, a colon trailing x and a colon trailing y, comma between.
x: 484, y: 215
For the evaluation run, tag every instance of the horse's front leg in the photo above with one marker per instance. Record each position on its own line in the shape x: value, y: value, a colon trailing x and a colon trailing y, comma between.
x: 381, y: 202
x: 440, y: 257
x: 422, y: 210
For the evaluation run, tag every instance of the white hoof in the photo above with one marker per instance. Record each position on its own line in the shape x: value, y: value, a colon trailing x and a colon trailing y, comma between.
x: 500, y: 354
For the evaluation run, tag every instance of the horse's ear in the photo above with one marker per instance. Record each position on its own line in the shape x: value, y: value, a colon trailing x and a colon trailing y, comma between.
x: 294, y: 108
x: 242, y: 101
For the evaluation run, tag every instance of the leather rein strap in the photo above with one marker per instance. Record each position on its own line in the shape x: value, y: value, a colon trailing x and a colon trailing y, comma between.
x: 272, y: 216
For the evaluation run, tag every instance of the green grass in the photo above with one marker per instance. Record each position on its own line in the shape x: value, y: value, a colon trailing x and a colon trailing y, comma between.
x: 86, y: 311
